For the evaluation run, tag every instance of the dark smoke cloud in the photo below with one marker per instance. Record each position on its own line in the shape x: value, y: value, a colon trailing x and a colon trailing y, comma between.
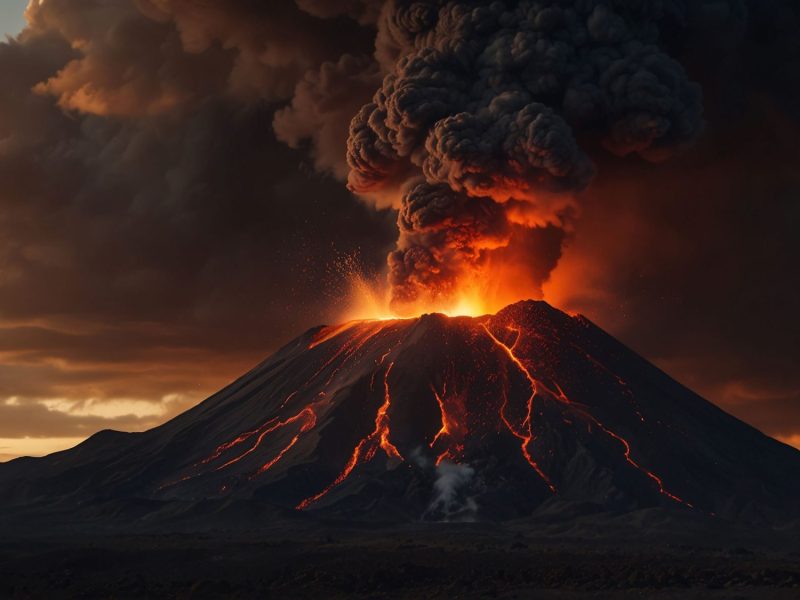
x: 324, y: 102
x: 156, y: 239
x: 506, y: 101
x: 443, y: 236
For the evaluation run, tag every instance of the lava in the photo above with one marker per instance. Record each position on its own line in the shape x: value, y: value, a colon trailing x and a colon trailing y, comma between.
x: 453, y: 428
x: 382, y: 420
x: 367, y: 448
x: 445, y: 430
x: 347, y: 350
x: 328, y: 333
x: 526, y: 437
x: 351, y: 344
x: 561, y: 397
x: 221, y: 449
x: 637, y: 466
x: 307, y: 414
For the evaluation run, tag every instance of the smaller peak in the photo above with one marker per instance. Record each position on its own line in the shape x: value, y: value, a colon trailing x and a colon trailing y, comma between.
x: 531, y: 307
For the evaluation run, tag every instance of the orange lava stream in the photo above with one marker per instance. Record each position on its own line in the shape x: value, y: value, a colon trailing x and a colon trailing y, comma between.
x: 310, y: 420
x: 637, y: 466
x: 343, y: 349
x: 356, y: 345
x: 379, y: 363
x: 367, y: 448
x: 382, y: 420
x: 348, y: 349
x: 526, y: 437
x: 268, y: 465
x: 351, y: 464
x: 561, y: 397
x: 449, y: 426
x: 220, y: 450
x: 328, y: 333
x: 445, y: 430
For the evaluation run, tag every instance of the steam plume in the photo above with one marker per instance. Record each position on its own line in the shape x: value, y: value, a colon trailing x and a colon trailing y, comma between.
x: 450, y: 502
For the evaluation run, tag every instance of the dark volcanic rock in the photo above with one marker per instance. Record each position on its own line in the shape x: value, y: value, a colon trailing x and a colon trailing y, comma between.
x: 527, y: 412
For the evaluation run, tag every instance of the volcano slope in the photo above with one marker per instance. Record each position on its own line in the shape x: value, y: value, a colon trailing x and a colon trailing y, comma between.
x: 490, y: 418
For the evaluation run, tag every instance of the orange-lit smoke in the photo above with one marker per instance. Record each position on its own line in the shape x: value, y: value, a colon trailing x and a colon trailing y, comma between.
x: 471, y: 263
x: 484, y: 131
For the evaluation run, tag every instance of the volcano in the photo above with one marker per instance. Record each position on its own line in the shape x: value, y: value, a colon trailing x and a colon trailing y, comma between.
x: 487, y: 418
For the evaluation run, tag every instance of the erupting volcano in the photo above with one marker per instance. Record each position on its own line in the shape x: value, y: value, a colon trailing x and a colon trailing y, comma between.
x: 437, y: 417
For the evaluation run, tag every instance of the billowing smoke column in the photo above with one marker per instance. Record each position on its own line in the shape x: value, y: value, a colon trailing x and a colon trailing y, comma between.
x: 487, y: 118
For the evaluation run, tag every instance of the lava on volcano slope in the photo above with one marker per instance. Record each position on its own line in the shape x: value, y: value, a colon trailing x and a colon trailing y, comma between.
x: 529, y: 390
x: 307, y: 417
x: 524, y: 433
x: 453, y: 430
x: 367, y: 448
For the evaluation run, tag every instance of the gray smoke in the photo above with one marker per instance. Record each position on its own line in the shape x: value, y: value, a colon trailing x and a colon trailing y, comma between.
x: 450, y: 501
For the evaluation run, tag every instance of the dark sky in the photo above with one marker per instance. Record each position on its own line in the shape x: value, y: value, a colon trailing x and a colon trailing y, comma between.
x: 162, y: 230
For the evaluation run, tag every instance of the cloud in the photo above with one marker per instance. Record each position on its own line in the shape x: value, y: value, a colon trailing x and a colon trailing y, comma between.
x: 324, y: 101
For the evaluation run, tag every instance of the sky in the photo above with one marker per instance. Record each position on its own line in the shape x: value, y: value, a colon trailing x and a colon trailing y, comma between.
x: 11, y: 16
x: 174, y: 201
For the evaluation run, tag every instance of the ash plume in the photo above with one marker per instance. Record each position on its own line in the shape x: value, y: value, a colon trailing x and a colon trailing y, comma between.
x: 505, y: 103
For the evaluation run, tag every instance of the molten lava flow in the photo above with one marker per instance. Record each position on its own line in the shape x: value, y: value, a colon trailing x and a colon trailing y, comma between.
x: 526, y: 434
x: 351, y: 464
x: 659, y: 482
x: 348, y: 349
x: 307, y: 414
x: 445, y: 430
x: 382, y: 420
x: 328, y: 333
x: 561, y: 397
x: 220, y: 450
x: 309, y: 417
x: 268, y: 465
x: 355, y: 345
x: 367, y: 448
x: 453, y: 428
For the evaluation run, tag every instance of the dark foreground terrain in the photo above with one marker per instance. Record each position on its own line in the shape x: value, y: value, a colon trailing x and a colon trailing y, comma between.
x: 573, y: 559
